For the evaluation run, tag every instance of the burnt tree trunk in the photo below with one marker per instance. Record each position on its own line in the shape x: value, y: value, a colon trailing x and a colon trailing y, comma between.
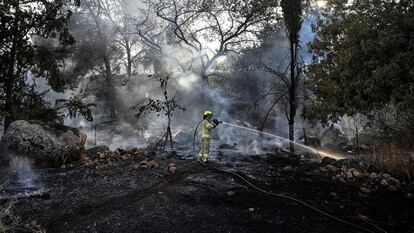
x: 129, y: 58
x: 109, y: 89
x: 292, y: 13
x: 292, y: 95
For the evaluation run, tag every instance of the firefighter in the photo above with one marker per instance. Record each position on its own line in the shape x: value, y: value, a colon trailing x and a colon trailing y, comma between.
x: 206, y: 127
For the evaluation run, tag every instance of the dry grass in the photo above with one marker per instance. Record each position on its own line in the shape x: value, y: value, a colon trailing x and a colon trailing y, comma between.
x: 7, y: 219
x: 10, y: 223
x: 393, y: 159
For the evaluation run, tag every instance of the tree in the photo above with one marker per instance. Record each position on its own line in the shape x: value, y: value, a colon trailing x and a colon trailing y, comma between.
x: 208, y: 30
x: 122, y: 18
x: 289, y: 77
x: 166, y: 106
x: 24, y: 24
x: 363, y: 59
x: 97, y: 52
x: 293, y: 17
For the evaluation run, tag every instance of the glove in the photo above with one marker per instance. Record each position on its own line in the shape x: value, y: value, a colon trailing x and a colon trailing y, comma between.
x: 216, y: 122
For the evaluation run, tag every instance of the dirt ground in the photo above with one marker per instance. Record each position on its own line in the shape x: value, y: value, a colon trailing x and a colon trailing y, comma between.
x: 193, y: 197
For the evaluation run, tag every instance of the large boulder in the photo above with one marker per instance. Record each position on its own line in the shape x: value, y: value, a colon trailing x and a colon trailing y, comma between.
x: 47, y: 144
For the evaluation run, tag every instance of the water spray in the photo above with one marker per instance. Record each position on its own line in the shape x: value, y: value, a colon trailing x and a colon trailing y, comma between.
x: 319, y: 152
x: 274, y: 194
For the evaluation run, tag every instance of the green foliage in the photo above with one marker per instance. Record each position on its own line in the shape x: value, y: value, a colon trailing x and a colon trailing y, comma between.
x: 25, y: 27
x: 363, y: 59
x: 33, y: 107
x: 76, y: 107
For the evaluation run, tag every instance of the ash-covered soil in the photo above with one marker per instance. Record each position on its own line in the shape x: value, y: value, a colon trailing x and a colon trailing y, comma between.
x: 142, y: 191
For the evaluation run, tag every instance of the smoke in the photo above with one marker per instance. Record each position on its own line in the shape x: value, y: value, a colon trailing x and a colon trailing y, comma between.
x: 230, y: 94
x: 223, y: 97
x: 22, y: 168
x: 19, y: 170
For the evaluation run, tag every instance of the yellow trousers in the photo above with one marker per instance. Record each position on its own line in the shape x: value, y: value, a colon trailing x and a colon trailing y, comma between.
x: 205, y: 148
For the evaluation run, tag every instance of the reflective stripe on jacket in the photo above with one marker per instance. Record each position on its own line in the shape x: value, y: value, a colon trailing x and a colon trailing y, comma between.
x: 206, y: 127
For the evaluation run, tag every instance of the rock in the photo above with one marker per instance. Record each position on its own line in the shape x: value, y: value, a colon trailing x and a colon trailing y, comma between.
x: 148, y: 164
x: 288, y: 168
x: 408, y: 195
x: 251, y: 209
x: 357, y: 174
x: 373, y: 175
x: 332, y: 168
x: 63, y: 166
x: 385, y: 182
x: 392, y: 180
x: 230, y: 193
x: 172, y: 168
x: 392, y: 188
x: 135, y: 166
x: 365, y: 190
x: 349, y: 175
x: 97, y: 149
x: 47, y: 144
x: 386, y: 175
x: 327, y: 160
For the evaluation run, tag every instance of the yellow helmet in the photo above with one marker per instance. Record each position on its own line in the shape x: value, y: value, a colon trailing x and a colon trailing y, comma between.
x: 208, y: 113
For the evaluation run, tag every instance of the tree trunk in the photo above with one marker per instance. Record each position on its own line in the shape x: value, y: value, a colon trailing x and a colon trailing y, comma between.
x: 292, y: 133
x: 109, y: 87
x: 129, y: 58
x: 292, y: 96
x: 357, y: 137
x: 8, y: 90
x: 204, y: 77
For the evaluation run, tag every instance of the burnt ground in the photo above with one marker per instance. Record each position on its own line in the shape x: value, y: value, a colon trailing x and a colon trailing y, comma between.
x: 196, y: 198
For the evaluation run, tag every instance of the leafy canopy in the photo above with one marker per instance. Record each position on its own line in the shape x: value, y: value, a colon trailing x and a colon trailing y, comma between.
x: 363, y: 58
x: 33, y: 35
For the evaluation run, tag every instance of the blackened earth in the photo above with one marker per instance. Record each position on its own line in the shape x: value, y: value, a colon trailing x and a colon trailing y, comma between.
x: 195, y: 198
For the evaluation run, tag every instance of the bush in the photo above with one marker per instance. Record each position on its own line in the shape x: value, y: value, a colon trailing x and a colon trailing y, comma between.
x: 393, y: 159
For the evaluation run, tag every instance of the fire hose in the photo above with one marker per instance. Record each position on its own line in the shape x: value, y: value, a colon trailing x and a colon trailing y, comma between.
x: 280, y: 195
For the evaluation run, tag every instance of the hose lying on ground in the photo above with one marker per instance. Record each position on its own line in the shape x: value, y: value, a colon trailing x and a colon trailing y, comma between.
x: 291, y: 199
x: 283, y: 196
